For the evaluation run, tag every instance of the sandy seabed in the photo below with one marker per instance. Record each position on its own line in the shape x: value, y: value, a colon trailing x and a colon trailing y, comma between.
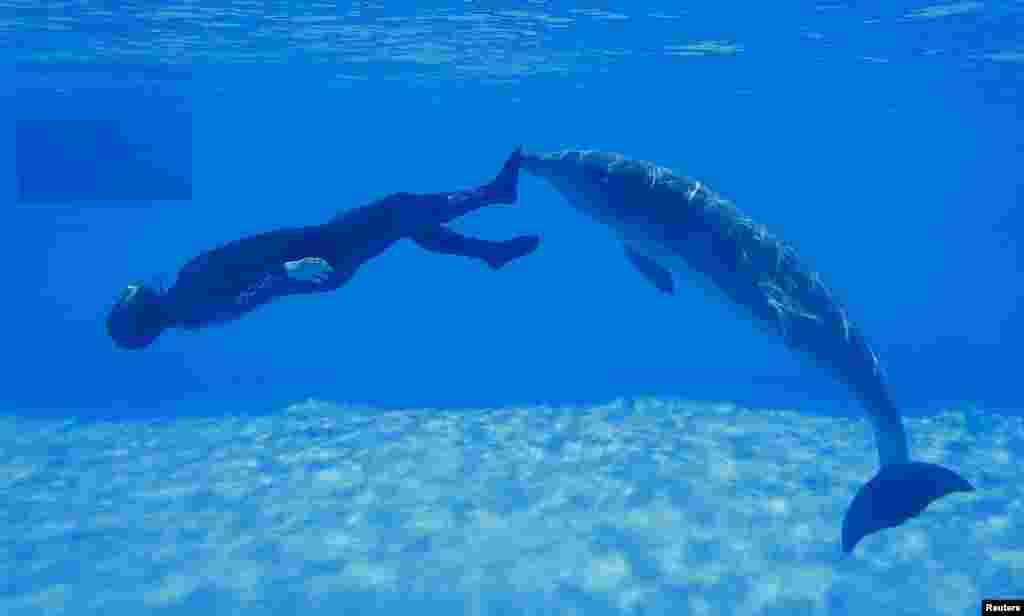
x: 644, y: 507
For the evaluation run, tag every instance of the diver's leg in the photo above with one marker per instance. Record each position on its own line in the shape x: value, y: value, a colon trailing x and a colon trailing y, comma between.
x: 443, y: 240
x: 356, y: 236
x: 430, y: 210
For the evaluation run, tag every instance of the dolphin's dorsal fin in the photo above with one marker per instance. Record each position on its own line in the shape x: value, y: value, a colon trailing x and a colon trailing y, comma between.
x: 660, y: 277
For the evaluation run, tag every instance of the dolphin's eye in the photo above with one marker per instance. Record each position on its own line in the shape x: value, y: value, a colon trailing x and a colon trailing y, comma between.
x: 596, y: 173
x: 129, y: 293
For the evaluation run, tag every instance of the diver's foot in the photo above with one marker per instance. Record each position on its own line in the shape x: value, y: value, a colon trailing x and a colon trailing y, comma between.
x: 504, y: 188
x: 512, y: 249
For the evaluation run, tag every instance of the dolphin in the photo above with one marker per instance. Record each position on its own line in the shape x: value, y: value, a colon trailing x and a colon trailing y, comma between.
x: 671, y: 224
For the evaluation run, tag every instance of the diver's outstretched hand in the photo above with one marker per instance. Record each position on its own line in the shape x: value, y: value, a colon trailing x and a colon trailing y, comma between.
x: 309, y: 269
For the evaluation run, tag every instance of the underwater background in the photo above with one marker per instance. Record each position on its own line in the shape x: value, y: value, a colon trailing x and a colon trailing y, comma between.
x: 552, y: 438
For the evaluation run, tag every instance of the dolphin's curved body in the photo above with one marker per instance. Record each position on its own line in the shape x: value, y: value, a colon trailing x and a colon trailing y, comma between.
x: 671, y: 224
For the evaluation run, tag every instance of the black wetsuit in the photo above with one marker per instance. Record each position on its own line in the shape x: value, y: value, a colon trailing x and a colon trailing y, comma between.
x: 225, y: 283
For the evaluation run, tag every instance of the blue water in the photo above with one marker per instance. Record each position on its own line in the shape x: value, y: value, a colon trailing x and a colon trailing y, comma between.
x: 885, y: 143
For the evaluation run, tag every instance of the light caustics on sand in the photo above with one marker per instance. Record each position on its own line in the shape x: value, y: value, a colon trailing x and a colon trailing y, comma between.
x: 667, y: 506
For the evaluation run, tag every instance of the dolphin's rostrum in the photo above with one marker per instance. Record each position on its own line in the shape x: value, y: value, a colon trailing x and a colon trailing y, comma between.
x: 671, y: 224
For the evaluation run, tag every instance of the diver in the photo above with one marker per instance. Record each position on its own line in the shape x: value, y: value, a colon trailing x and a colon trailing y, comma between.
x: 227, y: 282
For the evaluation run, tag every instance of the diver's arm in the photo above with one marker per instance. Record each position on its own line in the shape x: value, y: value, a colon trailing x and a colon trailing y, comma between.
x: 228, y: 281
x: 227, y: 270
x: 306, y: 274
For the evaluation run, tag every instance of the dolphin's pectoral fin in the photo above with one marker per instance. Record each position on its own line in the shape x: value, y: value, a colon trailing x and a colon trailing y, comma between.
x: 660, y: 277
x: 897, y: 493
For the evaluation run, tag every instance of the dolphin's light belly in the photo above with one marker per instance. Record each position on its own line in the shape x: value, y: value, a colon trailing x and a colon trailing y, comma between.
x: 643, y: 239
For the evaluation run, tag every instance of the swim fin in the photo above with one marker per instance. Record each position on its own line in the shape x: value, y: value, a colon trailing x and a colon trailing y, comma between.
x: 512, y: 249
x: 505, y: 187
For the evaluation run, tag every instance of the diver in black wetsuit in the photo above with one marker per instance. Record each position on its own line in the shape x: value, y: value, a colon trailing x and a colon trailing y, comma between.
x: 224, y: 283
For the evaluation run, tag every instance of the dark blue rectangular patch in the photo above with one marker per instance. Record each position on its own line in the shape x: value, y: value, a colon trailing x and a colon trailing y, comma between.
x: 102, y: 144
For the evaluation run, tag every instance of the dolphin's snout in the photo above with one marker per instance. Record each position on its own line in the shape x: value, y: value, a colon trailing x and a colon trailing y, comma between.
x: 532, y: 163
x: 551, y: 166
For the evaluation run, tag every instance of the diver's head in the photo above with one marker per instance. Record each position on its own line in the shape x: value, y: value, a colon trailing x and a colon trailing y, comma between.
x: 138, y: 317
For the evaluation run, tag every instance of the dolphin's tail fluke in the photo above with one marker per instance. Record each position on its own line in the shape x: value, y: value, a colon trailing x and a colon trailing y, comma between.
x: 897, y: 493
x: 504, y: 188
